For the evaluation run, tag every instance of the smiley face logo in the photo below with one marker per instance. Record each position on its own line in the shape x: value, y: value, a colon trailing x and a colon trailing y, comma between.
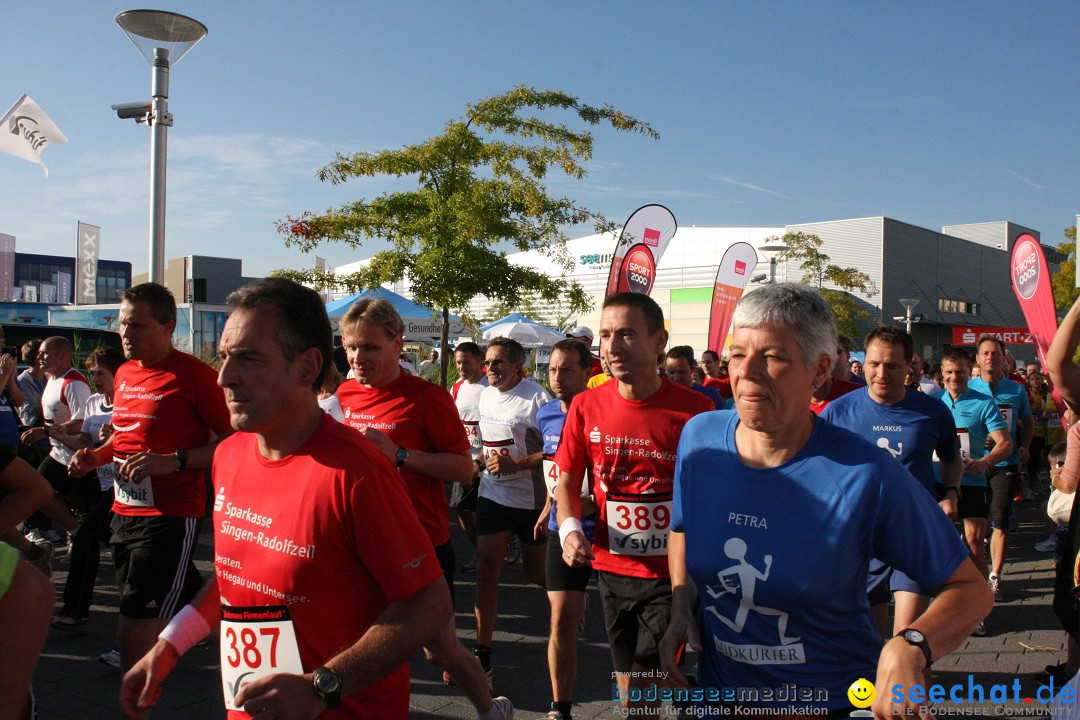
x: 861, y: 693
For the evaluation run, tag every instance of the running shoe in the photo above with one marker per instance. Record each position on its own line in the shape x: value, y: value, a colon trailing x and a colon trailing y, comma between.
x: 502, y: 708
x: 980, y: 630
x: 556, y: 715
x: 1047, y: 545
x: 995, y: 587
x: 111, y: 658
x: 513, y: 550
x: 42, y: 560
x: 67, y: 622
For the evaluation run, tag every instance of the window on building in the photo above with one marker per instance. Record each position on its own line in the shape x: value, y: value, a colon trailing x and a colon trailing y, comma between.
x: 962, y: 307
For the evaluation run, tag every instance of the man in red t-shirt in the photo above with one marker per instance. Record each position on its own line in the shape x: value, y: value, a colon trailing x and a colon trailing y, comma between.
x: 716, y: 373
x: 624, y: 434
x: 168, y: 414
x: 324, y: 585
x: 415, y: 424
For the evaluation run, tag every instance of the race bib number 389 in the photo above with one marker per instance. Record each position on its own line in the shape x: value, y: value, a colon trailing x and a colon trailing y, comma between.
x: 638, y: 524
x: 255, y: 642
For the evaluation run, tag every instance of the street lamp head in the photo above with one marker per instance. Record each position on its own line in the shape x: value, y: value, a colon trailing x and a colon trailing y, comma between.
x: 909, y: 303
x: 160, y: 35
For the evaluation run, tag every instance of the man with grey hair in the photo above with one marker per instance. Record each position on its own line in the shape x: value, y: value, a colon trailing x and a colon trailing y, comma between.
x: 776, y: 517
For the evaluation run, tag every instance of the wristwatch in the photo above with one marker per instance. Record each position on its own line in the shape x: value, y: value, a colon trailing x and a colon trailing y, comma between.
x: 327, y: 685
x: 402, y: 456
x: 957, y: 490
x: 914, y: 637
x: 181, y: 459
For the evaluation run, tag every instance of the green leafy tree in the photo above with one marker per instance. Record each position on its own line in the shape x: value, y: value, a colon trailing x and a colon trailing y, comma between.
x: 805, y: 248
x: 1064, y: 282
x: 479, y: 191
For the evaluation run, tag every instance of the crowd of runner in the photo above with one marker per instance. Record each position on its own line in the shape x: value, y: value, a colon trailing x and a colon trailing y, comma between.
x: 763, y: 507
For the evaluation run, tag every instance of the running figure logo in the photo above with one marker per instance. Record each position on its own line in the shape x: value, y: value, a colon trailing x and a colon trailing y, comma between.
x: 883, y: 443
x: 745, y: 576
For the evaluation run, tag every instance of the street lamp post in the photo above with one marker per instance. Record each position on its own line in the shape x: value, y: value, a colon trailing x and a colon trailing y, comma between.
x: 772, y: 252
x: 909, y: 305
x: 162, y: 38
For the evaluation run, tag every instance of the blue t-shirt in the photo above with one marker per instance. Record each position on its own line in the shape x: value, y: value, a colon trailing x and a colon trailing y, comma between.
x: 976, y: 416
x: 911, y: 430
x: 1012, y: 400
x: 711, y: 393
x: 9, y: 423
x: 780, y: 555
x: 550, y: 418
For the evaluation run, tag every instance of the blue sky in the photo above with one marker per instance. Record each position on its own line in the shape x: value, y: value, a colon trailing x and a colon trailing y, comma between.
x: 769, y: 113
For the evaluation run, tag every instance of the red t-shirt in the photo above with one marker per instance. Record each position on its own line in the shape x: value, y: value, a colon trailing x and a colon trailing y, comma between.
x: 418, y: 415
x: 839, y: 388
x: 162, y: 408
x: 629, y: 448
x: 722, y: 385
x: 596, y: 368
x: 328, y: 532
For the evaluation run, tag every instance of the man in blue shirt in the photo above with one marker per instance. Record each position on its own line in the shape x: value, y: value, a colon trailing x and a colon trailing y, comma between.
x: 911, y: 427
x: 977, y: 418
x: 568, y: 373
x: 1012, y: 400
x: 679, y: 366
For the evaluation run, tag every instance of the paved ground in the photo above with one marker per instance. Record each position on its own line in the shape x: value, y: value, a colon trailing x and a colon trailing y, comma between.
x: 71, y: 683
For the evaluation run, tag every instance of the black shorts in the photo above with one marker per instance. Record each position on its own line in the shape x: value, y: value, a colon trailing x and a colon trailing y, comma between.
x: 636, y: 614
x: 1003, y: 483
x: 975, y: 503
x: 448, y: 563
x: 463, y: 499
x: 154, y: 569
x: 88, y: 486
x: 491, y: 518
x: 560, y: 576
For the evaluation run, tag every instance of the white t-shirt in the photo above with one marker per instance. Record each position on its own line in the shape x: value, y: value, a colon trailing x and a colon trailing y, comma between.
x: 332, y: 407
x: 97, y: 414
x: 508, y: 427
x: 467, y: 400
x: 63, y: 399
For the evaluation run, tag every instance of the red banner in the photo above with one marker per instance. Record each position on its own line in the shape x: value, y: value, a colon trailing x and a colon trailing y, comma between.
x: 969, y: 334
x: 1031, y: 282
x: 734, y: 272
x: 642, y: 243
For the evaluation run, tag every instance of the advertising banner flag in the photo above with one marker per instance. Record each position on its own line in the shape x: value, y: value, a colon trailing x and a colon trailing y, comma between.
x: 1031, y: 282
x: 88, y: 246
x: 736, y: 268
x: 642, y: 243
x: 25, y: 131
x: 7, y: 267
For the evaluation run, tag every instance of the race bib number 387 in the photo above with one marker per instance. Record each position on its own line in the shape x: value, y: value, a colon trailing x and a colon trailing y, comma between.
x: 638, y: 524
x: 255, y: 642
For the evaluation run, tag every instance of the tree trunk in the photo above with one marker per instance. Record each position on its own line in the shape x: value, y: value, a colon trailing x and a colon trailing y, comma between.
x: 444, y: 357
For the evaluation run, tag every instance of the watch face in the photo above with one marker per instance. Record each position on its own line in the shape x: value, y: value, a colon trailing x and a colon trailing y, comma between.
x: 915, y: 636
x: 327, y: 682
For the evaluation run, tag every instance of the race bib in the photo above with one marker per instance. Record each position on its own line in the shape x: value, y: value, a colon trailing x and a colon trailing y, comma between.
x: 965, y: 443
x: 472, y: 431
x: 551, y: 474
x: 498, y: 447
x: 1007, y: 414
x: 107, y: 475
x: 256, y: 642
x: 638, y: 524
x: 140, y: 494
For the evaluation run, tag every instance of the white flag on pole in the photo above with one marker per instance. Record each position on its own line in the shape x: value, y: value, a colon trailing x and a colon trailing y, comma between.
x: 25, y: 131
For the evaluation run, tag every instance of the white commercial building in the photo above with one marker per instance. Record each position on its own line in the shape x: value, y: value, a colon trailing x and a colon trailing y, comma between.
x: 959, y: 275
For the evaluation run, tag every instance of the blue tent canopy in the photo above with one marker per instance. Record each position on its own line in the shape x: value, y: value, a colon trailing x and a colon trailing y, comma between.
x: 405, y: 307
x: 511, y: 318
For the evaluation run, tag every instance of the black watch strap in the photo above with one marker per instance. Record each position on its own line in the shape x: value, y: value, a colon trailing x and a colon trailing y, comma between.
x: 915, y: 637
x: 181, y: 459
x: 327, y: 684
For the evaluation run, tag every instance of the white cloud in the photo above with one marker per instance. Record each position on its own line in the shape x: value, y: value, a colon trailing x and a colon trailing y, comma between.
x: 748, y: 185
